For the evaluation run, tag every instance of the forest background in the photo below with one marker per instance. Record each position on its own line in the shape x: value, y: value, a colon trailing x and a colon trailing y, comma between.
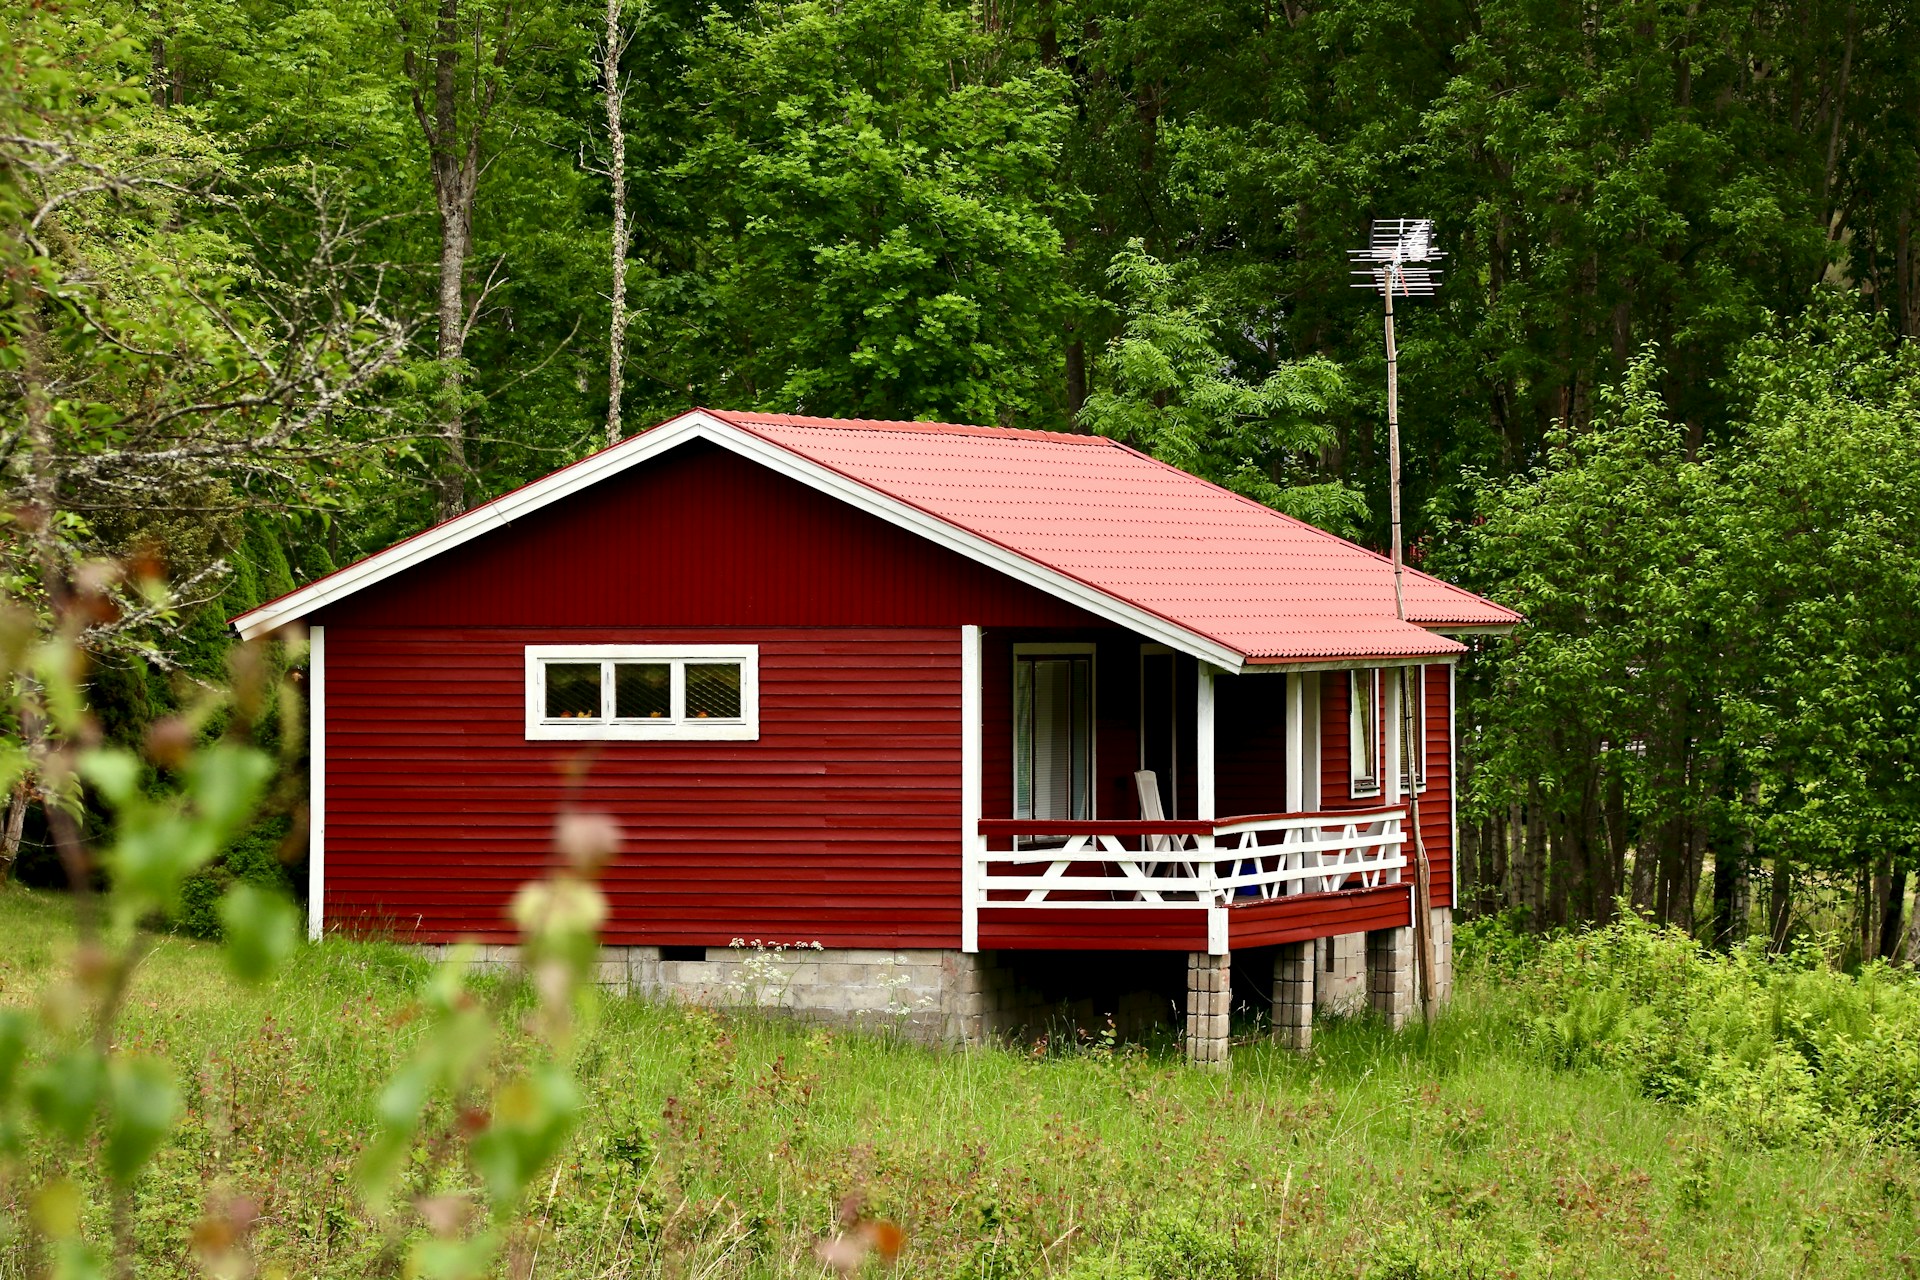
x: 290, y: 279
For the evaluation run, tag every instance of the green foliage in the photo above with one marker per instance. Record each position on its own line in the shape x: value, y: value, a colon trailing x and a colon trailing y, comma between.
x: 867, y: 221
x: 728, y: 1144
x: 1171, y: 391
x: 252, y: 861
x: 1175, y: 1246
x: 1777, y: 1049
x: 1710, y: 637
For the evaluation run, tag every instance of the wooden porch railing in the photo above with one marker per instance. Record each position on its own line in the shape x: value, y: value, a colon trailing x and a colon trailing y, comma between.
x: 1197, y: 865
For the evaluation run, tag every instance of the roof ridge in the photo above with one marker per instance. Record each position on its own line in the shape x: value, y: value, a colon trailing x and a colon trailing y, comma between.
x: 746, y: 417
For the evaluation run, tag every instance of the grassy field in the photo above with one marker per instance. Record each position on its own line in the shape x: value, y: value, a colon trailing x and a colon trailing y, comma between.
x: 720, y: 1146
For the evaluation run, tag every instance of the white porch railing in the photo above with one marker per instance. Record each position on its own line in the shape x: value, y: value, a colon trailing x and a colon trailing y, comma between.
x: 1197, y: 865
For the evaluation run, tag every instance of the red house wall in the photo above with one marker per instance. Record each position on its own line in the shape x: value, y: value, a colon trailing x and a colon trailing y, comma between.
x: 839, y: 825
x: 1436, y: 802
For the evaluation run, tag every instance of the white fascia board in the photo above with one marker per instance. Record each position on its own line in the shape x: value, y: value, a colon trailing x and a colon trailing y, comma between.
x: 503, y: 510
x: 1469, y: 628
x: 1347, y: 664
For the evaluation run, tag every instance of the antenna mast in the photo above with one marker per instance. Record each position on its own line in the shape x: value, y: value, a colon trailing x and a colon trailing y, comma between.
x: 1397, y: 259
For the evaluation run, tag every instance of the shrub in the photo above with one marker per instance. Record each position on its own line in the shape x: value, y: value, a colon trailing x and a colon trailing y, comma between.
x: 1779, y: 1048
x: 252, y: 859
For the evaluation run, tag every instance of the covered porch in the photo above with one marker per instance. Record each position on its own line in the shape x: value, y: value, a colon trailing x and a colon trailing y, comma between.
x: 1121, y: 796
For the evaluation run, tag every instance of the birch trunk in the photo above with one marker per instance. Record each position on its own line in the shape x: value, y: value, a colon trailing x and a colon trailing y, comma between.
x: 16, y: 827
x: 622, y: 236
x: 453, y: 153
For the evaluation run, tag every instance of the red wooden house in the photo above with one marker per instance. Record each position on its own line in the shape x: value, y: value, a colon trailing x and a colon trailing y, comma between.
x: 954, y: 703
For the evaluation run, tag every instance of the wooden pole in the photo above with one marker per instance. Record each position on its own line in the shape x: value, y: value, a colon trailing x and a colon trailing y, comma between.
x: 1422, y: 869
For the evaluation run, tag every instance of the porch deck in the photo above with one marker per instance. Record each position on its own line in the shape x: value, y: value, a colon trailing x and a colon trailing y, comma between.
x: 1210, y: 885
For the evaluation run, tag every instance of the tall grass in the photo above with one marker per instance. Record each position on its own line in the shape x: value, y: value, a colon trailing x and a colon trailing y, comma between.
x: 725, y: 1146
x: 1777, y: 1048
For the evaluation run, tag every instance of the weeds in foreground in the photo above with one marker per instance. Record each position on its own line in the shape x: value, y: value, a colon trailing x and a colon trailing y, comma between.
x: 728, y: 1143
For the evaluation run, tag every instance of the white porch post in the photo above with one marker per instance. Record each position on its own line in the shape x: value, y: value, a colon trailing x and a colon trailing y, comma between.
x: 1310, y: 701
x: 1296, y: 743
x: 1203, y: 744
x: 1390, y: 792
x: 971, y: 841
x: 316, y: 781
x: 1297, y: 775
x: 1204, y: 803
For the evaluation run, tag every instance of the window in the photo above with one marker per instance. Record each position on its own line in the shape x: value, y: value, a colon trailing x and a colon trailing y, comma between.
x: 608, y: 691
x: 1053, y: 732
x: 1363, y: 731
x: 1416, y: 689
x: 1159, y: 745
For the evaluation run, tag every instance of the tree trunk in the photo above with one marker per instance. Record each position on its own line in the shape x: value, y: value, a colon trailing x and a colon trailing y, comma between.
x: 16, y: 827
x: 1780, y: 904
x: 451, y: 349
x: 1728, y: 871
x: 1892, y: 910
x: 1466, y: 873
x: 453, y: 153
x: 1536, y: 861
x: 617, y: 175
x: 1513, y: 883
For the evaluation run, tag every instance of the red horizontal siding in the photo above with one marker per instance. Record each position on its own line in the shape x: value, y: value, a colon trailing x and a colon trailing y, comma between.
x: 1436, y: 809
x: 1320, y: 915
x: 839, y: 825
x: 701, y: 537
x: 1021, y: 929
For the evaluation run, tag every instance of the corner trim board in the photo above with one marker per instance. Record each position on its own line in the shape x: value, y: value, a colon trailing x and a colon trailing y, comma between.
x: 971, y: 841
x: 316, y: 782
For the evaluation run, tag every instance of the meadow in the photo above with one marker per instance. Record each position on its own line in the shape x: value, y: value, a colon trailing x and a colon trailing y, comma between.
x: 718, y: 1144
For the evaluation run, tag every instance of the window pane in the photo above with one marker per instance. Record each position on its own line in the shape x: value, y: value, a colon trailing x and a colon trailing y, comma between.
x: 642, y: 690
x: 1082, y: 738
x: 1053, y: 743
x: 1366, y: 724
x: 573, y: 691
x: 1022, y: 739
x: 713, y: 691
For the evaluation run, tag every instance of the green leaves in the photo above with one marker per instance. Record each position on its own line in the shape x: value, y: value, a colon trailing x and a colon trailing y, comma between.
x: 261, y: 930
x: 531, y: 1117
x: 160, y: 840
x: 868, y: 216
x: 1172, y: 391
x: 1724, y: 632
x: 65, y: 1092
x: 143, y: 1104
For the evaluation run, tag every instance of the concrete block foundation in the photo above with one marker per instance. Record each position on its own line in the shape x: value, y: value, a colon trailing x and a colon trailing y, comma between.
x: 951, y: 997
x: 1293, y: 995
x: 1209, y: 1000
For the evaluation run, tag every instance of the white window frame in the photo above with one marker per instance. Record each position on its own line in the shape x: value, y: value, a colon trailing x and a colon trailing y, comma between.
x: 675, y: 728
x: 1368, y: 783
x: 1063, y: 649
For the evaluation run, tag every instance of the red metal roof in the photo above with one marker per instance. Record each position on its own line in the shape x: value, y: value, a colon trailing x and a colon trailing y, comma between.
x: 1262, y: 583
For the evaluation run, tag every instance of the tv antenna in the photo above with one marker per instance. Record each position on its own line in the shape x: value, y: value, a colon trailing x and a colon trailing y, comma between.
x: 1400, y: 258
x: 1396, y: 260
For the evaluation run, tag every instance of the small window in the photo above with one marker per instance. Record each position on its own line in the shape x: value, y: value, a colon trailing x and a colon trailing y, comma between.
x: 1364, y: 732
x: 1416, y: 687
x: 638, y: 692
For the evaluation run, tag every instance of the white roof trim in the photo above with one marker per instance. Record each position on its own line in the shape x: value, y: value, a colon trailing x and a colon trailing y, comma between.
x: 696, y: 425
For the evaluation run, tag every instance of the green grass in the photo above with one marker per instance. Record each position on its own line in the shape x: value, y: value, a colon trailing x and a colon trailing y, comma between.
x: 716, y: 1146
